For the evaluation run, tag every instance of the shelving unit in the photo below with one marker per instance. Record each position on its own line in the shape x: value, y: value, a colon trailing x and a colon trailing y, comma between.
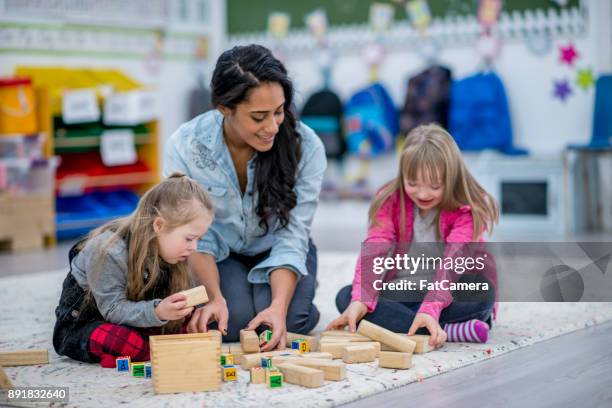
x: 88, y: 193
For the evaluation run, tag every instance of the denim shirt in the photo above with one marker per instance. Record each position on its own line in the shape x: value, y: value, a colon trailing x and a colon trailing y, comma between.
x: 198, y: 150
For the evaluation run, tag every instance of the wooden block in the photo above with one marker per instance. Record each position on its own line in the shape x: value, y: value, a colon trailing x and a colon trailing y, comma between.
x: 274, y: 379
x: 300, y: 345
x: 394, y: 359
x: 217, y: 335
x: 195, y: 296
x: 137, y: 369
x: 249, y: 341
x: 185, y: 362
x: 333, y: 370
x: 312, y: 341
x: 344, y: 334
x: 226, y: 359
x: 254, y: 360
x: 24, y: 357
x: 317, y: 354
x: 422, y: 343
x: 237, y: 353
x: 5, y: 381
x: 225, y: 348
x: 230, y: 373
x: 398, y: 342
x: 358, y: 354
x: 265, y: 337
x: 302, y: 375
x: 148, y: 370
x: 122, y: 364
x: 258, y: 375
x: 337, y: 348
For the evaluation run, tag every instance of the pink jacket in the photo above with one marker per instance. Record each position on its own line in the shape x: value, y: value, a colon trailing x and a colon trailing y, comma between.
x: 455, y: 227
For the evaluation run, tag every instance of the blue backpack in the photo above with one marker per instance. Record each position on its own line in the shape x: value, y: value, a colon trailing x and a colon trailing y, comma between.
x: 479, y: 117
x: 372, y: 122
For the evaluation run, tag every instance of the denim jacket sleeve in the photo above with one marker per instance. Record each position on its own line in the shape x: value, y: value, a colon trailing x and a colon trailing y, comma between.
x: 175, y: 159
x: 290, y: 245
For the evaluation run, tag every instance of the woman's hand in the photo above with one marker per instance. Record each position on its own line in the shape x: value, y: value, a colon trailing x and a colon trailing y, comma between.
x: 173, y: 307
x: 437, y: 334
x: 213, y: 311
x: 274, y: 317
x: 353, y: 313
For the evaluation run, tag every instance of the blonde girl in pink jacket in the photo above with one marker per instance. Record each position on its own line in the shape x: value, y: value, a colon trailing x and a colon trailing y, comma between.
x: 434, y: 198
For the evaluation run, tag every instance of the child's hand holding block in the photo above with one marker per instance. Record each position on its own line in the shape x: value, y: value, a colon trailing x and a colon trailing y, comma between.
x: 195, y: 296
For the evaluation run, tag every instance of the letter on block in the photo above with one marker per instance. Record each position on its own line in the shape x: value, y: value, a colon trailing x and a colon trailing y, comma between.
x: 123, y: 364
x: 392, y: 359
x: 227, y: 359
x: 397, y: 341
x: 138, y: 369
x: 274, y: 379
x: 195, y: 296
x: 358, y: 354
x: 249, y: 341
x: 230, y: 373
x: 301, y: 375
x: 258, y: 375
x: 312, y: 341
x: 265, y: 337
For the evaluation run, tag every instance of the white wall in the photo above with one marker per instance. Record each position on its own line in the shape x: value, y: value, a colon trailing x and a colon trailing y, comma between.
x: 541, y: 123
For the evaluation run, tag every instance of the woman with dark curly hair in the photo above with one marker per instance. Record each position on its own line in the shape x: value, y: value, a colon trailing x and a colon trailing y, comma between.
x: 263, y: 170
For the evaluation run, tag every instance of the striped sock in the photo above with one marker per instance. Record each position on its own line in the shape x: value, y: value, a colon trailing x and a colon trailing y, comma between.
x: 472, y: 331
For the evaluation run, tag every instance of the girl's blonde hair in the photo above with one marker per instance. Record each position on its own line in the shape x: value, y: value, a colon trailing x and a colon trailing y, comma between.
x: 431, y: 153
x: 178, y: 200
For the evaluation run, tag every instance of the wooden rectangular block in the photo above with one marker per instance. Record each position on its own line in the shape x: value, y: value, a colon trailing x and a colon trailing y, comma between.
x: 394, y: 359
x: 396, y: 341
x: 312, y: 341
x: 258, y: 375
x: 344, y: 334
x: 317, y: 354
x: 358, y: 354
x: 302, y: 375
x: 24, y: 357
x: 195, y: 296
x: 230, y: 373
x: 185, y: 362
x: 254, y: 360
x: 5, y: 381
x: 249, y: 341
x: 422, y: 343
x: 333, y: 370
x: 336, y: 348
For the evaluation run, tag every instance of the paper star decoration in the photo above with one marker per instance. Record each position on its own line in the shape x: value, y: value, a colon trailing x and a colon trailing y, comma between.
x: 568, y: 54
x: 585, y: 78
x: 562, y: 90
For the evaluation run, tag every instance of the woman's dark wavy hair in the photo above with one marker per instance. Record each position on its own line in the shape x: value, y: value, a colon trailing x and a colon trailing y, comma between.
x: 238, y: 71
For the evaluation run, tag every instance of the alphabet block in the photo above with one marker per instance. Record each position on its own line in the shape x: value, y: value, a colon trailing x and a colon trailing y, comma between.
x: 230, y: 373
x: 249, y: 341
x: 258, y: 375
x: 123, y: 364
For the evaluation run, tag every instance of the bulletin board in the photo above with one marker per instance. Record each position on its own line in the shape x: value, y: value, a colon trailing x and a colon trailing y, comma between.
x: 245, y: 16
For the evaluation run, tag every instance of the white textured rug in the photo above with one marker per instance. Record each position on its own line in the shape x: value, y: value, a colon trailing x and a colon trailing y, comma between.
x: 26, y: 321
